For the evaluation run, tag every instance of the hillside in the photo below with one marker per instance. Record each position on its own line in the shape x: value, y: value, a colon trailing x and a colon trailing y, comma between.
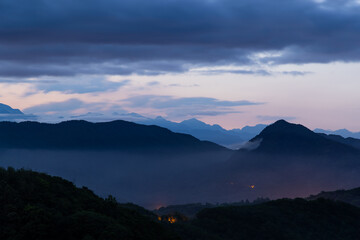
x: 354, y: 142
x: 281, y: 219
x: 38, y: 206
x: 351, y: 196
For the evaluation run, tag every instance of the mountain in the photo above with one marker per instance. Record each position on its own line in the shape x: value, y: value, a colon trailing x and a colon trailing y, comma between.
x: 215, y: 133
x: 296, y: 219
x: 342, y: 132
x: 116, y: 135
x: 5, y: 109
x: 282, y: 137
x: 9, y: 114
x: 289, y: 160
x: 153, y: 167
x: 351, y: 196
x: 147, y: 165
x: 38, y: 206
x: 354, y: 142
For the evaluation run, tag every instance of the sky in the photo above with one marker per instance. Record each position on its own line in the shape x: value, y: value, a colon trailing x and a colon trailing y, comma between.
x: 229, y: 62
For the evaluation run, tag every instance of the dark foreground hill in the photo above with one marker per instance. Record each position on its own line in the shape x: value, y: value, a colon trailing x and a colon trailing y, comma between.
x: 116, y: 135
x: 351, y: 196
x: 38, y: 206
x: 276, y: 220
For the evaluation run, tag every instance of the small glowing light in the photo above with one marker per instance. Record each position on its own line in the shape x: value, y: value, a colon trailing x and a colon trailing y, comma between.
x: 252, y: 186
x: 171, y: 219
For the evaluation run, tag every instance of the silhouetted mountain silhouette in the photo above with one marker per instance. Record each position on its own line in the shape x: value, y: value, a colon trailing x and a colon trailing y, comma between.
x: 5, y: 109
x: 354, y: 142
x: 116, y: 135
x: 283, y: 137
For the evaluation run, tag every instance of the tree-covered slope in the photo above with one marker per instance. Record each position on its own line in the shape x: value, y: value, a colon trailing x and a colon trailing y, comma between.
x: 351, y: 196
x: 276, y: 220
x: 38, y: 206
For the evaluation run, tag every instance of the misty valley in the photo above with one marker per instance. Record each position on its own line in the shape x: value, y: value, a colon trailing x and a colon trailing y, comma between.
x: 184, y: 179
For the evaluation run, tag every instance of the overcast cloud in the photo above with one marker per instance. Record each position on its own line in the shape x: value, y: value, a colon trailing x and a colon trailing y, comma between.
x: 70, y: 37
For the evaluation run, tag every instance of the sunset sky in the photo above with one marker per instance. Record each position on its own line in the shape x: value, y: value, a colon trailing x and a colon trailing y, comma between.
x: 231, y: 62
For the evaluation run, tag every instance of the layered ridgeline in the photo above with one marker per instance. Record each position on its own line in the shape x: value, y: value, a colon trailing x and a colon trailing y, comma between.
x: 148, y: 165
x: 116, y: 135
x: 38, y: 206
x: 233, y: 138
x: 154, y: 167
x: 8, y: 113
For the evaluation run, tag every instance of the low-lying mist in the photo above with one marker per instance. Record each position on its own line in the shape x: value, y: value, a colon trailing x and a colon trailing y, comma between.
x: 153, y: 180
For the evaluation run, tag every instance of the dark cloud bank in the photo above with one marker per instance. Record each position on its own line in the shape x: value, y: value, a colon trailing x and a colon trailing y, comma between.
x: 71, y: 37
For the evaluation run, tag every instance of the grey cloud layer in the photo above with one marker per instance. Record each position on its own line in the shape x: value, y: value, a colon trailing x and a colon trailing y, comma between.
x: 70, y: 37
x: 173, y: 107
x: 188, y: 106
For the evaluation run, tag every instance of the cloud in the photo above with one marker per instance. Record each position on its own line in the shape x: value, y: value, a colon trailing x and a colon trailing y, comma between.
x: 18, y: 117
x: 175, y: 107
x: 296, y: 73
x: 153, y: 83
x: 81, y: 84
x: 70, y: 37
x: 242, y: 72
x: 64, y: 106
x: 160, y: 102
x: 77, y: 109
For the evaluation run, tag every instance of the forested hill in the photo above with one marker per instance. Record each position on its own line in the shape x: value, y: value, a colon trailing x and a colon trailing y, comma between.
x: 38, y: 206
x: 351, y: 196
x: 276, y: 220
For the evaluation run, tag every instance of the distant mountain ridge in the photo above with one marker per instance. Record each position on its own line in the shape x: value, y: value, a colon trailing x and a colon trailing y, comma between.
x: 342, y: 132
x: 354, y: 142
x: 233, y: 139
x: 8, y: 113
x: 5, y: 109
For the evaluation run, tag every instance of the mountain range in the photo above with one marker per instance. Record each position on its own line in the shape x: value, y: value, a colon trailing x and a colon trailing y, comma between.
x: 233, y: 139
x: 153, y: 166
x: 115, y: 135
